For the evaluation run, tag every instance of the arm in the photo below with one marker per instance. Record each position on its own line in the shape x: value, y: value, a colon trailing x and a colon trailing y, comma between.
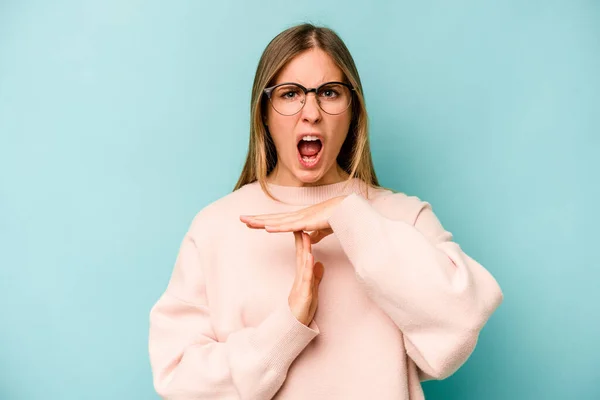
x: 438, y: 296
x: 187, y: 360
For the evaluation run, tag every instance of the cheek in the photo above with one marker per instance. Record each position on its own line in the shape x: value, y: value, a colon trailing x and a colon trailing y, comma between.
x: 339, y: 127
x: 282, y: 130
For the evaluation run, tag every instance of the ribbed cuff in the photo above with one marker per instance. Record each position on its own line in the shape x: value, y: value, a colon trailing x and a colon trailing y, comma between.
x: 281, y: 338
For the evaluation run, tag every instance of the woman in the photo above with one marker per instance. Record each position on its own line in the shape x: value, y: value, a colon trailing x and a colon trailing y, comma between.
x: 249, y: 314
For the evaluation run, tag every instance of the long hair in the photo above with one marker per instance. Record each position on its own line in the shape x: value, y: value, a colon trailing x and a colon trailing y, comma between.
x: 355, y: 154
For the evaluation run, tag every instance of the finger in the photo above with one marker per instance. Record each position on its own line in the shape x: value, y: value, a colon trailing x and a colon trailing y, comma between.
x: 248, y: 220
x: 287, y: 227
x: 318, y: 272
x: 288, y: 222
x: 299, y: 252
x: 278, y: 225
x: 265, y: 216
x: 306, y: 242
x: 317, y: 236
x: 254, y: 227
x: 304, y: 224
x: 307, y: 277
x: 275, y: 218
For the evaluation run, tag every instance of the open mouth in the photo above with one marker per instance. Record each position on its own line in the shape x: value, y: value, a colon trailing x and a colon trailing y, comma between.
x: 309, y: 152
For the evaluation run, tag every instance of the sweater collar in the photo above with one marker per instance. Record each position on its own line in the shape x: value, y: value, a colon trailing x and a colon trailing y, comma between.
x: 308, y: 195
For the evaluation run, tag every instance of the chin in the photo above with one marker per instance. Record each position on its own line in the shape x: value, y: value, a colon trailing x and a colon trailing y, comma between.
x: 301, y: 175
x: 310, y: 177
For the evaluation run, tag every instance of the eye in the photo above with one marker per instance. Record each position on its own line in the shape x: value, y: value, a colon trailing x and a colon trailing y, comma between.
x: 288, y: 93
x: 329, y: 92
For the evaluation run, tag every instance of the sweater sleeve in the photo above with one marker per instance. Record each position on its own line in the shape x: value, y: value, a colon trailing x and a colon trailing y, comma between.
x: 438, y: 296
x: 189, y: 362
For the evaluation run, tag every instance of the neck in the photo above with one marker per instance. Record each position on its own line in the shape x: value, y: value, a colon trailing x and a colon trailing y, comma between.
x: 308, y: 195
x: 284, y: 177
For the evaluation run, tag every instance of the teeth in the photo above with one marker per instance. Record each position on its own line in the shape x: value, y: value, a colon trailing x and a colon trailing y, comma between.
x: 310, y: 138
x: 309, y: 159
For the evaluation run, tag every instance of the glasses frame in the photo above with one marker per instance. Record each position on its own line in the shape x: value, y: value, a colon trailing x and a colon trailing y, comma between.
x: 269, y: 91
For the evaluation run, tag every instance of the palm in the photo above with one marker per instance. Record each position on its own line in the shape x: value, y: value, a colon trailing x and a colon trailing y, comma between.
x: 314, y: 218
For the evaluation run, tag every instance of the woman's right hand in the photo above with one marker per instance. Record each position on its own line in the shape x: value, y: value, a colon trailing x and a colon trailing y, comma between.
x: 304, y: 296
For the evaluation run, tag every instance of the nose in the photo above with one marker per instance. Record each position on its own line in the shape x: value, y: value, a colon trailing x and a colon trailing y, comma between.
x: 311, y: 112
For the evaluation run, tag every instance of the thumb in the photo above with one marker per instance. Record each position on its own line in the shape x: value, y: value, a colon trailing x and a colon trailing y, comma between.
x: 317, y: 236
x: 318, y: 271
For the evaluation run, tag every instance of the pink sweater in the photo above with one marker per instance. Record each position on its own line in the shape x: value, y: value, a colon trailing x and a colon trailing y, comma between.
x: 400, y: 303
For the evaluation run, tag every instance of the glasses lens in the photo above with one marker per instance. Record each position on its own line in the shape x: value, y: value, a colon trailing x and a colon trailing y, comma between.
x: 334, y: 98
x: 287, y: 99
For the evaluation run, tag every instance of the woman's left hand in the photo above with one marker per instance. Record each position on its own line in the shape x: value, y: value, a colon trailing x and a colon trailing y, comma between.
x: 313, y: 218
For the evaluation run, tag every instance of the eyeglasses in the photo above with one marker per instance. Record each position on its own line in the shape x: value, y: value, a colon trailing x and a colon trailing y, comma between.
x: 289, y: 98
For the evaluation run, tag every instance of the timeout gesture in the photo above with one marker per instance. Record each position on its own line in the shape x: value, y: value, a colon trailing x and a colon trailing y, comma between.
x: 303, y: 298
x: 313, y: 218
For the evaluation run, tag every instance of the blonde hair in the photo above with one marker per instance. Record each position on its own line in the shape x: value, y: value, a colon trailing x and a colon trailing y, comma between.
x: 355, y: 154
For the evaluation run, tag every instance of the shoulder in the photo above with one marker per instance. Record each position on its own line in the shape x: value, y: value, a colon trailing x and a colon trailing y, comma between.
x: 410, y: 209
x: 397, y: 205
x: 222, y: 212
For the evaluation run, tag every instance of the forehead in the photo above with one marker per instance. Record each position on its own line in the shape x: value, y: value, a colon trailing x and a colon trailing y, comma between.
x: 310, y: 68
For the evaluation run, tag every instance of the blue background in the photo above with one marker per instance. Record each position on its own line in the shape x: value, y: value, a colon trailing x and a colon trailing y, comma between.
x: 119, y: 120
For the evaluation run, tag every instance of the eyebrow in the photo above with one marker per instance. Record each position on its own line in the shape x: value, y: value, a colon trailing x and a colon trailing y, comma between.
x: 280, y: 81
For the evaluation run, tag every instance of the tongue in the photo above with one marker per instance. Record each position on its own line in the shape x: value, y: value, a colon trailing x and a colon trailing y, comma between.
x: 309, y: 149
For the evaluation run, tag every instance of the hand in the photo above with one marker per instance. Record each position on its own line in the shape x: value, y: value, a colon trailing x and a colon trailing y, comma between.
x: 303, y: 298
x: 313, y: 218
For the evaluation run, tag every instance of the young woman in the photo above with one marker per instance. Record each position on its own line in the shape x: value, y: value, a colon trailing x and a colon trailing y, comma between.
x: 310, y: 281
